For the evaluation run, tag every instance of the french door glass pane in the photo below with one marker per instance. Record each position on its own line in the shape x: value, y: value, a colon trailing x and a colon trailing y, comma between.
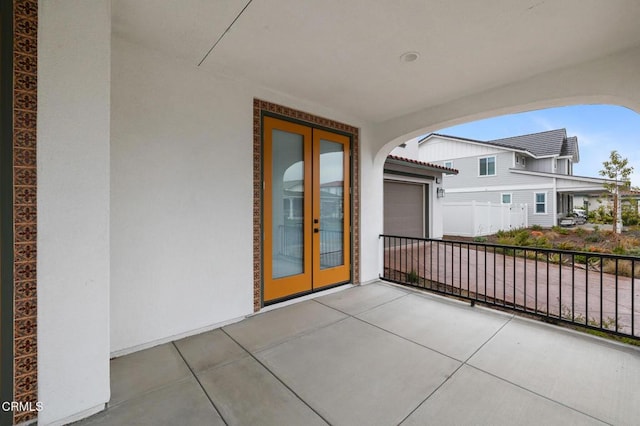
x: 331, y: 204
x: 288, y: 204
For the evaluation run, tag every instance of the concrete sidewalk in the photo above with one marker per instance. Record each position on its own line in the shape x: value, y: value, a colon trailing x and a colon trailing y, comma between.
x: 378, y: 354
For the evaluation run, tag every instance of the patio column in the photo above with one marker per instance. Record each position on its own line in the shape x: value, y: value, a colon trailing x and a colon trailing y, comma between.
x: 74, y: 49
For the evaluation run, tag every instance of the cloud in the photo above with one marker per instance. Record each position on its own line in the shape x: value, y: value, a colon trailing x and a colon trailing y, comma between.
x: 543, y: 123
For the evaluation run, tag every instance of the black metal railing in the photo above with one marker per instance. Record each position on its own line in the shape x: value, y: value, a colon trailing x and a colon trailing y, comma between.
x: 291, y: 241
x: 592, y: 290
x: 291, y: 244
x: 331, y: 248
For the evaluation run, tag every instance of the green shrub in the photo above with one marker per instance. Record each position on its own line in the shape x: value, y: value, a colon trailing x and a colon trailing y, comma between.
x: 619, y: 249
x: 630, y: 218
x: 633, y: 251
x: 506, y: 241
x: 507, y: 233
x: 536, y: 228
x: 630, y: 215
x: 542, y: 242
x: 522, y: 238
x: 580, y: 258
x: 566, y: 245
x: 560, y: 230
x: 412, y: 277
x: 603, y: 215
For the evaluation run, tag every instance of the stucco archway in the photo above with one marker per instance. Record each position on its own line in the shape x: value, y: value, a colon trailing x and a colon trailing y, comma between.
x: 409, y: 127
x: 388, y: 146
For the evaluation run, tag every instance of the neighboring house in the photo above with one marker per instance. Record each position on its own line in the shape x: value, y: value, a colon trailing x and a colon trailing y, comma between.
x: 413, y: 196
x: 534, y: 169
x: 591, y: 202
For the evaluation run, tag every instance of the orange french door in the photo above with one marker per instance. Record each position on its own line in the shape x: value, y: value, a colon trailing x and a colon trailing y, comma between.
x: 306, y: 209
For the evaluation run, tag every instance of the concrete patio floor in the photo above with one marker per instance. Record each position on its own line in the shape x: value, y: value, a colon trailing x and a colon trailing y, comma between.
x: 378, y: 354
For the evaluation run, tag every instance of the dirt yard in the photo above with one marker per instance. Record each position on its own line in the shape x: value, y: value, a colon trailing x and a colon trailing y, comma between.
x: 577, y: 239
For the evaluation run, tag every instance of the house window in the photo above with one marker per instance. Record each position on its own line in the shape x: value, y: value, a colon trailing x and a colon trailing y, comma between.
x: 487, y: 166
x: 449, y: 165
x: 506, y: 198
x: 524, y: 161
x: 540, y: 203
x: 517, y: 159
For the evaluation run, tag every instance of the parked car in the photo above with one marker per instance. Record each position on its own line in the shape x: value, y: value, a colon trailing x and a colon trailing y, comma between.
x: 581, y: 213
x: 573, y: 219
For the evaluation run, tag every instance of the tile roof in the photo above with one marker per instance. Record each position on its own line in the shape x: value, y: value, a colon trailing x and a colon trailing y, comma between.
x: 552, y: 142
x: 541, y: 144
x: 422, y: 163
x: 570, y: 147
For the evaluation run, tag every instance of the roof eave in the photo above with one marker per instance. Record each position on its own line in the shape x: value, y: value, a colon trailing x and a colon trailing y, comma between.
x: 568, y: 177
x: 477, y: 142
x: 422, y: 166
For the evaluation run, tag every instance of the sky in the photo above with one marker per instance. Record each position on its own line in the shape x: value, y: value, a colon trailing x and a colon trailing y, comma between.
x: 600, y: 129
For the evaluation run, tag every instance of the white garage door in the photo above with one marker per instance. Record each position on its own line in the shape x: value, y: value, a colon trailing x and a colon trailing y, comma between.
x: 404, y: 209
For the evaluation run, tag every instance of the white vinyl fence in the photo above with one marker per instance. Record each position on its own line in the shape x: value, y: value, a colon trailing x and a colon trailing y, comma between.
x: 473, y: 219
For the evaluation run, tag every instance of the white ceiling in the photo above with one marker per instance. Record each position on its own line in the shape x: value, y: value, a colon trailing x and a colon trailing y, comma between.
x: 345, y: 54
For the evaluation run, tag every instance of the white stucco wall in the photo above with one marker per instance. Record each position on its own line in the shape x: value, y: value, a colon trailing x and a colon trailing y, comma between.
x: 437, y: 218
x: 181, y: 196
x: 73, y: 207
x: 409, y: 150
x: 371, y: 208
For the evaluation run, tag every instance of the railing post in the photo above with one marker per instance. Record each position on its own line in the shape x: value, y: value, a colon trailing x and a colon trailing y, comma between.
x: 381, y: 256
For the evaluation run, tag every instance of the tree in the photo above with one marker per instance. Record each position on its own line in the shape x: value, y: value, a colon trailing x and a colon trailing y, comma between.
x: 617, y: 169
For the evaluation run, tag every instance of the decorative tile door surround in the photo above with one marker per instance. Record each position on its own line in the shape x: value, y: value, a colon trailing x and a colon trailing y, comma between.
x: 261, y: 107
